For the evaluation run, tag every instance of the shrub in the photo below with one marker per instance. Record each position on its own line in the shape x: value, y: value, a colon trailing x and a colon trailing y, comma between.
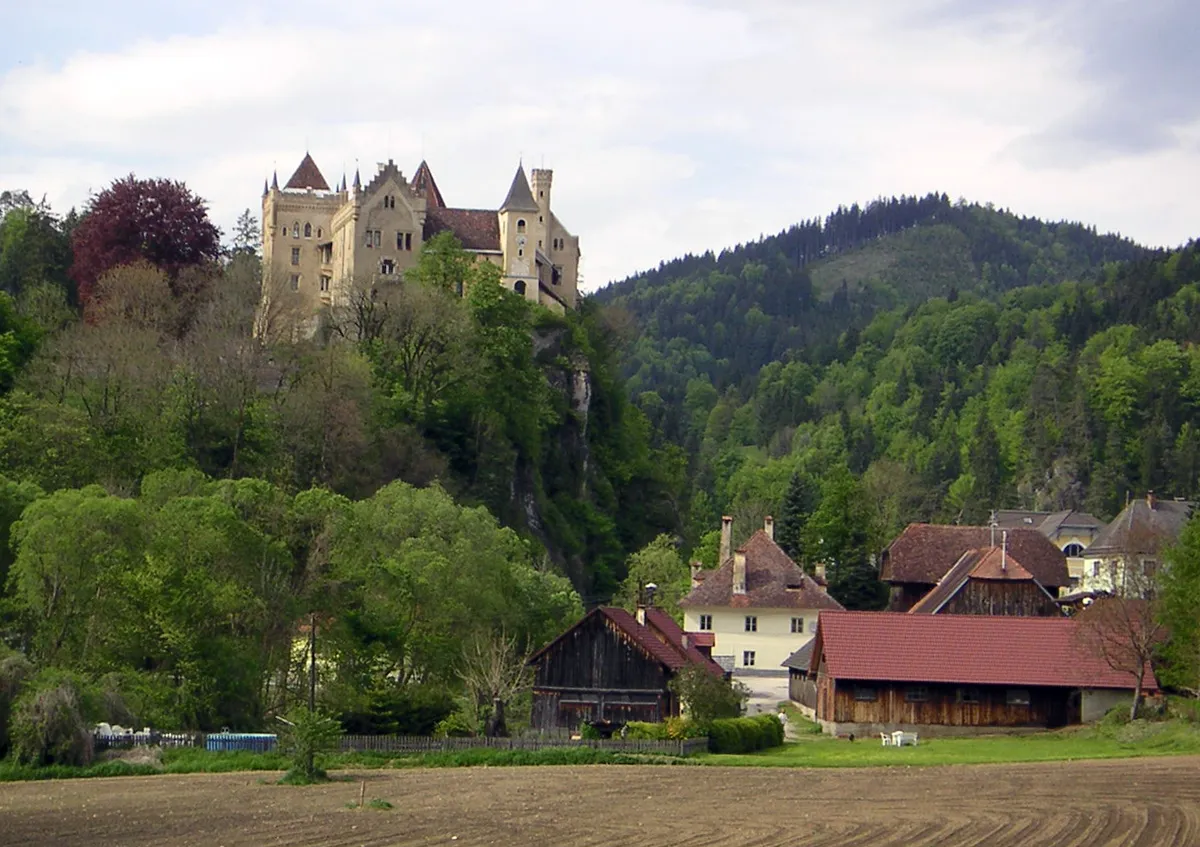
x: 707, y: 697
x: 308, y: 736
x: 51, y: 719
x: 672, y: 729
x: 589, y: 732
x: 644, y: 731
x: 15, y: 669
x: 456, y: 725
x: 745, y: 735
x: 402, y: 710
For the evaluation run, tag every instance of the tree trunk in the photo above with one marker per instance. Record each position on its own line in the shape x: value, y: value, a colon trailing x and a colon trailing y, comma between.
x: 1137, y: 697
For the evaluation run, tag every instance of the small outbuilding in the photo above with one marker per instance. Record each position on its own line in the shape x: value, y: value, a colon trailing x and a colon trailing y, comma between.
x: 988, y: 582
x: 877, y: 671
x: 613, y: 667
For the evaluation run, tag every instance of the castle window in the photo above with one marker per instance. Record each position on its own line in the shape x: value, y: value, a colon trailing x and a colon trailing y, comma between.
x: 318, y: 232
x: 541, y: 193
x: 387, y: 267
x: 296, y: 229
x: 389, y: 202
x: 520, y: 252
x: 325, y: 281
x: 520, y: 225
x: 519, y: 287
x: 308, y: 230
x: 378, y: 237
x: 367, y: 241
x: 540, y: 220
x: 295, y: 255
x: 399, y: 241
x: 294, y: 282
x: 408, y: 241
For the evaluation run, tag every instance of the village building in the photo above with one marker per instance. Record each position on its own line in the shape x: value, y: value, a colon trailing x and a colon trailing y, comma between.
x: 318, y: 242
x: 1127, y: 553
x: 988, y: 582
x: 1070, y: 530
x: 920, y: 556
x: 613, y: 667
x: 759, y: 605
x: 802, y: 685
x: 950, y: 674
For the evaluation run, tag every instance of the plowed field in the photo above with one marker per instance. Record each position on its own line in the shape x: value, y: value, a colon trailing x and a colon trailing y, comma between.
x: 1128, y: 802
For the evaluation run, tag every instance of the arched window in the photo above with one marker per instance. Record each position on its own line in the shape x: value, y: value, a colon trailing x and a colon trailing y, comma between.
x: 318, y: 232
x: 296, y: 229
x: 520, y: 225
x: 519, y: 287
x: 308, y: 230
x: 1073, y: 549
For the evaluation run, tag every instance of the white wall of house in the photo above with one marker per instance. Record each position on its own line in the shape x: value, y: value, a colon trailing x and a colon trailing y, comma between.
x: 1096, y: 702
x: 772, y: 641
x: 1108, y: 574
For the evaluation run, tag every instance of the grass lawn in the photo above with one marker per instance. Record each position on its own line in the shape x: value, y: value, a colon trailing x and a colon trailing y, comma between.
x: 1140, y: 738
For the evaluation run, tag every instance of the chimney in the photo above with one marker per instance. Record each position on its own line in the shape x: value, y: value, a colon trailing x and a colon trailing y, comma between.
x: 696, y: 569
x: 769, y: 527
x: 1151, y: 500
x: 726, y: 540
x: 739, y: 572
x: 819, y: 572
x: 1004, y: 552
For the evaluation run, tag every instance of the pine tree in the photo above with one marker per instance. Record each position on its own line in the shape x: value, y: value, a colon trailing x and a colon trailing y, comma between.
x: 798, y: 504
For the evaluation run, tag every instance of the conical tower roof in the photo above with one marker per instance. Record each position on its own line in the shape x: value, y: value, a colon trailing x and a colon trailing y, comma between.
x: 308, y: 175
x: 520, y: 198
x: 424, y: 185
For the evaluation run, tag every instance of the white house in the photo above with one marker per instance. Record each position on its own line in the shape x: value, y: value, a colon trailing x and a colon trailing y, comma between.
x: 759, y: 605
x: 1126, y: 554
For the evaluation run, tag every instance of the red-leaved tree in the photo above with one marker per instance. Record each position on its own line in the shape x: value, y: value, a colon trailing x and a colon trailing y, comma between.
x: 154, y: 220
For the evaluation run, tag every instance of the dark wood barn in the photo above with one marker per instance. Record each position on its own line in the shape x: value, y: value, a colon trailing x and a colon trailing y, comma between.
x: 877, y: 670
x: 988, y: 582
x: 915, y: 562
x: 611, y: 667
x: 802, y: 686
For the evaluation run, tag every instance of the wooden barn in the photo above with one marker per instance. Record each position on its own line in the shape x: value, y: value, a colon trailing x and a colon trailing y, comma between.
x: 802, y: 685
x: 612, y: 667
x: 879, y: 671
x: 917, y: 560
x: 988, y: 582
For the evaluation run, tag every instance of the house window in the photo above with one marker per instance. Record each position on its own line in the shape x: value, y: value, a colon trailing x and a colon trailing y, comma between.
x: 1017, y: 697
x: 325, y: 281
x: 797, y: 624
x: 1149, y: 566
x: 1095, y: 569
x: 519, y: 287
x: 295, y: 255
x: 295, y: 282
x: 706, y: 623
x: 916, y: 694
x: 308, y: 230
x: 864, y: 694
x: 969, y: 695
x: 747, y: 658
x: 387, y: 267
x: 1073, y: 549
x: 520, y: 225
x: 296, y: 229
x: 812, y: 626
x: 751, y: 623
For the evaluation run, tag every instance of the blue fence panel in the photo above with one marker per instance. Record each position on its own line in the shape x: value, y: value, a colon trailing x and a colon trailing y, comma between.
x: 255, y: 742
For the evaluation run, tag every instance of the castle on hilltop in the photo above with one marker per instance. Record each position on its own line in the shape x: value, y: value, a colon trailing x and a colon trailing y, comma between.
x: 318, y: 241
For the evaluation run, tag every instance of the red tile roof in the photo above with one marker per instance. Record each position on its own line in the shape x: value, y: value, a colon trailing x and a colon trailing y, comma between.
x: 477, y: 229
x: 773, y: 581
x: 962, y: 649
x: 307, y: 175
x: 923, y: 553
x: 991, y: 564
x: 424, y: 185
x: 663, y: 624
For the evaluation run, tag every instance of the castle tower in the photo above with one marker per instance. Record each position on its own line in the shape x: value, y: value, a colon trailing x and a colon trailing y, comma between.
x: 519, y: 236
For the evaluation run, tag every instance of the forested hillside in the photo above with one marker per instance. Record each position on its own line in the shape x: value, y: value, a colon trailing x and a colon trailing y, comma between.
x: 1069, y: 380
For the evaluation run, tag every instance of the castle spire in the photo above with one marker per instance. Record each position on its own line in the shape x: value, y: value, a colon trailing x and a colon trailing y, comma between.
x: 520, y: 197
x: 274, y: 180
x: 264, y: 186
x: 357, y: 180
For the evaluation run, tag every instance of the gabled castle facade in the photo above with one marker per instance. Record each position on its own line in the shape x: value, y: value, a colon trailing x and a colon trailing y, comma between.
x: 318, y: 241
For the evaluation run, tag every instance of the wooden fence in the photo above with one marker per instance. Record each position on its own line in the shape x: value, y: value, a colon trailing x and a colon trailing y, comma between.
x: 425, y: 744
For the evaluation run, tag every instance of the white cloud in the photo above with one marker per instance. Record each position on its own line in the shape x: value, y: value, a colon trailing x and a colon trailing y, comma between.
x: 672, y: 126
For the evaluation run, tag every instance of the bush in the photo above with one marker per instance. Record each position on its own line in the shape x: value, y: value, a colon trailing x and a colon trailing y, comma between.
x: 745, y: 735
x: 589, y: 733
x: 644, y: 731
x: 15, y: 669
x: 308, y: 736
x: 672, y: 729
x: 456, y: 725
x: 402, y: 710
x: 51, y: 720
x: 707, y: 697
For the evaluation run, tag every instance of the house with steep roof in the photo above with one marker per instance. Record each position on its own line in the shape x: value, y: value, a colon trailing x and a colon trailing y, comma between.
x: 318, y: 242
x: 988, y: 582
x: 759, y: 605
x: 920, y: 556
x: 1070, y: 530
x: 1126, y: 554
x: 882, y: 671
x: 613, y: 667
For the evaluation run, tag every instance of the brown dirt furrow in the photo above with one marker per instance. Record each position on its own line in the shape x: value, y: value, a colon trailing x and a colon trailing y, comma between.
x: 1065, y: 804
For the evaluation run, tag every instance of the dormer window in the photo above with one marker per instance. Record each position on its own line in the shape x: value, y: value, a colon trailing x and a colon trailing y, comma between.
x: 520, y: 225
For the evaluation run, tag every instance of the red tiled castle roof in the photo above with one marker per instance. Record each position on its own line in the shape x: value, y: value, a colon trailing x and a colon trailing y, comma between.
x: 307, y: 175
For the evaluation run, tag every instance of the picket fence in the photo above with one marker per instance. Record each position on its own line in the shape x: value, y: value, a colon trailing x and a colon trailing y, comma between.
x: 400, y: 744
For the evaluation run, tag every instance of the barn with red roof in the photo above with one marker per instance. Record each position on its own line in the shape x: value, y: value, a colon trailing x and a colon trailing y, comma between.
x: 878, y: 671
x: 613, y: 667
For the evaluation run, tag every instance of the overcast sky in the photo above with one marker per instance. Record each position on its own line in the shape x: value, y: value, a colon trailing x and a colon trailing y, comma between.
x: 671, y: 126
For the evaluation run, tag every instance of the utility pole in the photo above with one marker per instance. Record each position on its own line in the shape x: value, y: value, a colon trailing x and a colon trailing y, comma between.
x: 312, y: 662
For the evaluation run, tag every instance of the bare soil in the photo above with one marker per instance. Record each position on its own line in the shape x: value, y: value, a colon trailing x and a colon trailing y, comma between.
x: 1127, y: 802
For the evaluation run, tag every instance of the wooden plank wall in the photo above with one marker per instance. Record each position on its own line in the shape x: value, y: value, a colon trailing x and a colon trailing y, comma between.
x: 947, y: 705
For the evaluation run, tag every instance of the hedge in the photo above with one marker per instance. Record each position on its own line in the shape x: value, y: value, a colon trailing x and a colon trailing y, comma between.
x: 745, y: 735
